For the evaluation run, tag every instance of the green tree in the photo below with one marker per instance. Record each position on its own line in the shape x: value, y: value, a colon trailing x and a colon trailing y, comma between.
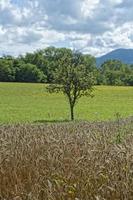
x: 112, y: 72
x: 73, y: 78
x: 48, y: 60
x: 29, y: 73
x: 7, y: 73
x: 52, y: 57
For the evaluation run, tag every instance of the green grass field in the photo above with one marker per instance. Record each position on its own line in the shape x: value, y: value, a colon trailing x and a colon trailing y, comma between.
x: 21, y: 102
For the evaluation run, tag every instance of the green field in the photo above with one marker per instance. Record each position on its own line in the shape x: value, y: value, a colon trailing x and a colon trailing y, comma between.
x: 21, y: 102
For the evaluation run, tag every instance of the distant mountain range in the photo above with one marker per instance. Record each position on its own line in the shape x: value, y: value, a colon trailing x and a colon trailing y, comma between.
x: 124, y: 55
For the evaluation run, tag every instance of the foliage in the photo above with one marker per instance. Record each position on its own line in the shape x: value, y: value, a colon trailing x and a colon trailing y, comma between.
x: 29, y: 73
x: 114, y: 72
x: 111, y: 72
x: 47, y: 60
x: 7, y: 72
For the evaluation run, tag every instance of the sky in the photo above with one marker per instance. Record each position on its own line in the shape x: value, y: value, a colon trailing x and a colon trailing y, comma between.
x: 91, y: 26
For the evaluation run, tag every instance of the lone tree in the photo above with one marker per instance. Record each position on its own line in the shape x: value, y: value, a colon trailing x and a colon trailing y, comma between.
x: 73, y: 78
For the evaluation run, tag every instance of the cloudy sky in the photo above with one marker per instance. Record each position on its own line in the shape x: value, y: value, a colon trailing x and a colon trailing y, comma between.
x: 93, y: 26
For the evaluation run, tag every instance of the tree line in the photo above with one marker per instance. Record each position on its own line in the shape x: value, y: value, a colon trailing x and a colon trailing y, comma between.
x: 41, y: 65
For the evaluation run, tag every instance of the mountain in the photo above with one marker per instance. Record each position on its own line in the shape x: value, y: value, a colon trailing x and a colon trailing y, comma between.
x: 124, y: 55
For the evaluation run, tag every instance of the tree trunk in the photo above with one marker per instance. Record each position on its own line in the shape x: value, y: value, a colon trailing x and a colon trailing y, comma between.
x: 72, y: 112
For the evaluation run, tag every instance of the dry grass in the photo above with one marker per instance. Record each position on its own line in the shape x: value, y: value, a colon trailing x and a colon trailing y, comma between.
x: 78, y: 161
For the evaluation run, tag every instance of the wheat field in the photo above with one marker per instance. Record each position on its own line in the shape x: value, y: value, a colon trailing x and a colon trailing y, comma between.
x: 68, y: 161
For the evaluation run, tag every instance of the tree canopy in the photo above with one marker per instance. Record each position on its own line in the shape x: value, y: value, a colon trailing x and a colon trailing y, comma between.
x: 114, y: 72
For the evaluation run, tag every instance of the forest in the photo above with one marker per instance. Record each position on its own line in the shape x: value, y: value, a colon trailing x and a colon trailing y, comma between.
x: 40, y: 66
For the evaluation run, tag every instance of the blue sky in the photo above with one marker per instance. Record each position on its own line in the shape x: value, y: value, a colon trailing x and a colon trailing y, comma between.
x: 95, y: 26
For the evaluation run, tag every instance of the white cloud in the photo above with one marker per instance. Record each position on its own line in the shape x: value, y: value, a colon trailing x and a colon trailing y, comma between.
x: 94, y: 26
x: 88, y: 7
x: 116, y: 2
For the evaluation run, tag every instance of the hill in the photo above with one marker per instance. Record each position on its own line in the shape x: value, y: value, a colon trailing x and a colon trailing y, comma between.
x: 124, y: 55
